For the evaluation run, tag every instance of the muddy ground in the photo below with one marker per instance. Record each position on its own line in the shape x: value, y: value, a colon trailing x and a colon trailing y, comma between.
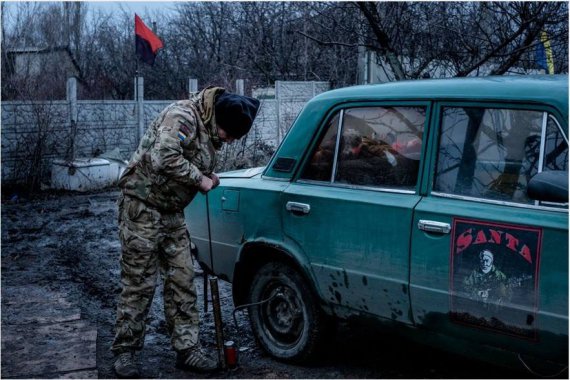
x: 69, y: 242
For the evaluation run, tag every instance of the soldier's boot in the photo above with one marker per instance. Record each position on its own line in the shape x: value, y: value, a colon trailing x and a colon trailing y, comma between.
x: 125, y: 365
x: 196, y: 359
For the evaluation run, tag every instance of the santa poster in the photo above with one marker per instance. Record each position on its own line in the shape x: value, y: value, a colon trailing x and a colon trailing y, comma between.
x: 494, y: 276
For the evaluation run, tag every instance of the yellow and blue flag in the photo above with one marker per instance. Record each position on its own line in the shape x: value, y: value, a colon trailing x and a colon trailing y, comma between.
x: 544, y: 54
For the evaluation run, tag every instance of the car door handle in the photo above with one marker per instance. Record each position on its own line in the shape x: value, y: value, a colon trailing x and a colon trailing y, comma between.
x: 433, y: 226
x: 296, y: 207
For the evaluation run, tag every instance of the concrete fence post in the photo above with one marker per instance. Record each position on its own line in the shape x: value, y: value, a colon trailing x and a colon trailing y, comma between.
x: 192, y: 86
x: 278, y: 110
x: 71, y: 97
x: 240, y: 87
x: 139, y: 83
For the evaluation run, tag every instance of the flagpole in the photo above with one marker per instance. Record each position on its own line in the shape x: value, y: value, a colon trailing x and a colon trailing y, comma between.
x: 136, y: 63
x: 136, y: 77
x: 139, y: 135
x: 136, y: 70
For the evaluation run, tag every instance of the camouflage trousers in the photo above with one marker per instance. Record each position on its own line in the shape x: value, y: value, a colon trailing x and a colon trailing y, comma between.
x: 153, y: 242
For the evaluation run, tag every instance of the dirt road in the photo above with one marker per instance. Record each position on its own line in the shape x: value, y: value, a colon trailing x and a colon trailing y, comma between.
x: 68, y: 242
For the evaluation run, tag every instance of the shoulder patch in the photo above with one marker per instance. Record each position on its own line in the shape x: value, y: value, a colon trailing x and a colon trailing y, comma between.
x: 183, y: 131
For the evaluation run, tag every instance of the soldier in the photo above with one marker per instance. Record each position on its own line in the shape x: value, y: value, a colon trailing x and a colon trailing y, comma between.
x: 175, y: 159
x: 487, y: 283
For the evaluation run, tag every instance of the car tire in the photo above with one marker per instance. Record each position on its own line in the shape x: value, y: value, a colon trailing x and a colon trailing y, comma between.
x: 291, y: 325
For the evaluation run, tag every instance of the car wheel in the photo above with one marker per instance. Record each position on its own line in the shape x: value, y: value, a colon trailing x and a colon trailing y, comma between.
x: 291, y: 324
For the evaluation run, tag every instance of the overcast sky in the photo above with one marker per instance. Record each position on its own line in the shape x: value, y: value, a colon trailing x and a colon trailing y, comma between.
x: 138, y: 7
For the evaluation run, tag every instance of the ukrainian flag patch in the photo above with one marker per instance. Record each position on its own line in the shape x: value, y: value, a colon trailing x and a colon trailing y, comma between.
x: 184, y: 132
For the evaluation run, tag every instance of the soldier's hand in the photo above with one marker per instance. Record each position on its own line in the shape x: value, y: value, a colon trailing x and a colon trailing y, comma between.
x: 215, y: 179
x: 206, y: 184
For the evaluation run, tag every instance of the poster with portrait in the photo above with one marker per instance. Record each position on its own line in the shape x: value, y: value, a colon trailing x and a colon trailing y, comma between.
x: 494, y: 276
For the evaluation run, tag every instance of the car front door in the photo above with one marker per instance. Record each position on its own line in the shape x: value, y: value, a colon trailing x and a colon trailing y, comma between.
x: 488, y: 263
x: 349, y: 210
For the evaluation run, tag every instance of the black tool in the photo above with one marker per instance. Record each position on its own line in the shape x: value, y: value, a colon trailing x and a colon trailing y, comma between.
x: 215, y: 295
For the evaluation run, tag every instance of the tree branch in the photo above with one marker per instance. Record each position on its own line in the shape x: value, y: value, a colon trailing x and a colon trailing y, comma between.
x: 369, y: 11
x: 331, y: 43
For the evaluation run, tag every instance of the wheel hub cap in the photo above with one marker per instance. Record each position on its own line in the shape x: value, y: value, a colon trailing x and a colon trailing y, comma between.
x: 284, y: 315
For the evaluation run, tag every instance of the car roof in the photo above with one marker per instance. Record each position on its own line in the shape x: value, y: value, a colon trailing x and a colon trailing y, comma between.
x: 549, y: 89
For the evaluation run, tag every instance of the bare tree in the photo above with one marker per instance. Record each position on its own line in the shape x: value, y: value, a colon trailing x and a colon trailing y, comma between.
x: 109, y: 63
x: 33, y: 45
x: 464, y: 38
x: 261, y: 42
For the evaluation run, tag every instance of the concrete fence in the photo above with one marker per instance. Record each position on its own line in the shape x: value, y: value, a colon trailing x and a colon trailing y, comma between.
x: 33, y: 133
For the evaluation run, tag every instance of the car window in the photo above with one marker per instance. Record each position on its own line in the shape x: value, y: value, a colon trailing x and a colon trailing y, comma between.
x: 319, y: 167
x: 379, y: 146
x: 492, y: 153
x: 555, y: 149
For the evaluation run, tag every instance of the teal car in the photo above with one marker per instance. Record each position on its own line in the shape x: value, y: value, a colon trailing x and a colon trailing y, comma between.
x: 438, y: 207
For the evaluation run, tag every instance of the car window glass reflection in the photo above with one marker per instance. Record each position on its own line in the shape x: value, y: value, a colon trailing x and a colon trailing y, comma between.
x: 319, y: 167
x: 381, y: 146
x: 556, y: 148
x: 492, y: 153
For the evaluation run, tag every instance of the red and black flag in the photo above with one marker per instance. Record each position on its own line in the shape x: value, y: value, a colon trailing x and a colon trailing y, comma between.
x: 147, y: 43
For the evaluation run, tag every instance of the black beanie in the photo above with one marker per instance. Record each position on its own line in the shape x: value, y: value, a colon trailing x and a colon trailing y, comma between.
x: 235, y: 113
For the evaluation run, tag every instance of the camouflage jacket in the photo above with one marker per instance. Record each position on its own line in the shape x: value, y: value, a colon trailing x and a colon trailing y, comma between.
x: 178, y: 148
x: 486, y: 287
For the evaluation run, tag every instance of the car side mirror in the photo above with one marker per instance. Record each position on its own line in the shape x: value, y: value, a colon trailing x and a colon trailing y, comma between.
x: 549, y: 186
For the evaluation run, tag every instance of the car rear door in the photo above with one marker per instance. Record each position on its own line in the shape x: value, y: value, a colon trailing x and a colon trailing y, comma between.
x: 350, y: 207
x: 488, y: 263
